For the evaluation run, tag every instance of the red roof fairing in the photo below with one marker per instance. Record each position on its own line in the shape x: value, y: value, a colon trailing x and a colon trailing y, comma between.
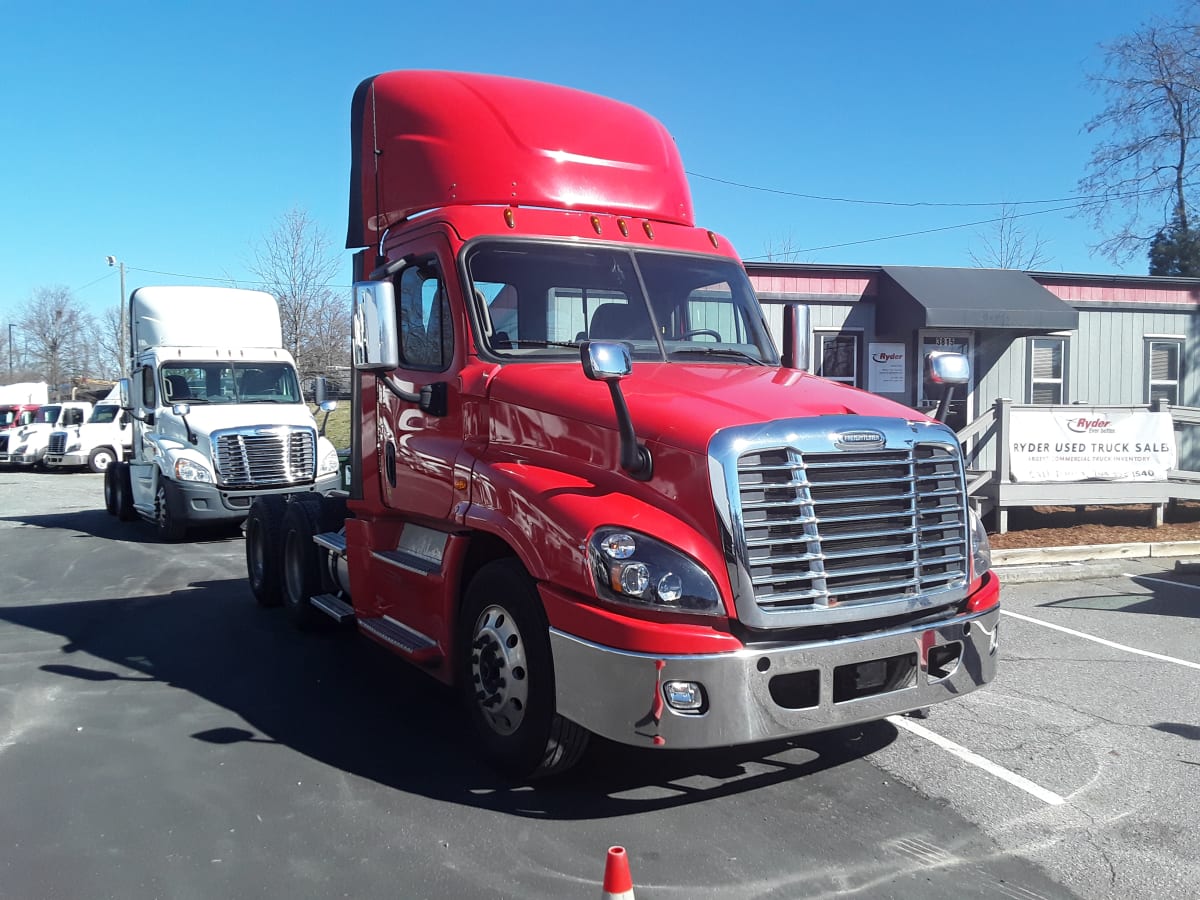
x: 422, y: 140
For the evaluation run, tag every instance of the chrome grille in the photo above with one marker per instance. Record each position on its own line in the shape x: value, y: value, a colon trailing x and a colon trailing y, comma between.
x: 835, y: 529
x: 262, y: 457
x: 58, y: 442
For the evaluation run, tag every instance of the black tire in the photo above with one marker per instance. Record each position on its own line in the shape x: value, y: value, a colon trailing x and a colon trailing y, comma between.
x: 123, y: 493
x: 110, y: 490
x: 506, y: 676
x: 169, y: 517
x: 101, y: 459
x: 264, y: 542
x: 300, y: 564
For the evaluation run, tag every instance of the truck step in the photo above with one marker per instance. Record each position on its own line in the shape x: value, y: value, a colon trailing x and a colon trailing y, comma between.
x: 334, y: 607
x: 333, y: 541
x: 416, y: 646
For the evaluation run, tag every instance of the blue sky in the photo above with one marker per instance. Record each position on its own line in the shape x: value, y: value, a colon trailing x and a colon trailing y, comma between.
x: 175, y: 135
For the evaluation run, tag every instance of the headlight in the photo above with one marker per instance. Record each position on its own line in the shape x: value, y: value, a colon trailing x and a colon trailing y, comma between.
x: 329, y: 463
x: 190, y: 470
x: 981, y: 548
x: 640, y: 571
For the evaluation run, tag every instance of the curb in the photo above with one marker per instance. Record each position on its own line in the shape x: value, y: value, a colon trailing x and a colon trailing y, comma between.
x: 1102, y: 560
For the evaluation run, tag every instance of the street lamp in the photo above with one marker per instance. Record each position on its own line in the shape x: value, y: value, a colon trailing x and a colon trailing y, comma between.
x: 113, y: 261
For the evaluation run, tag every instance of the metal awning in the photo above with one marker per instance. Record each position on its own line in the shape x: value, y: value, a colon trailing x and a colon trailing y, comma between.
x: 927, y: 297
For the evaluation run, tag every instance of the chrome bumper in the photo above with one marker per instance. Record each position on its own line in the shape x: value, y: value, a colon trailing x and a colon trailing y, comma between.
x: 772, y: 691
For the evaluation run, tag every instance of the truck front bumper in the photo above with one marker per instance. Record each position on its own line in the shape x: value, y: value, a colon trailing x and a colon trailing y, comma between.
x: 66, y: 459
x: 770, y: 691
x: 203, y: 502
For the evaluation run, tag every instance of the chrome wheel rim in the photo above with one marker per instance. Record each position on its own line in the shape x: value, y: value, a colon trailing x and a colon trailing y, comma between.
x: 498, y: 670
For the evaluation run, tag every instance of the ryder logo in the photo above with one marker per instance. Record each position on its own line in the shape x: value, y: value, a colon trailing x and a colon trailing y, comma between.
x: 1084, y: 425
x: 886, y: 357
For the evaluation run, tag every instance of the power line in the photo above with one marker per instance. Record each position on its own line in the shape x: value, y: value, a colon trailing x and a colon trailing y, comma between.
x: 911, y: 204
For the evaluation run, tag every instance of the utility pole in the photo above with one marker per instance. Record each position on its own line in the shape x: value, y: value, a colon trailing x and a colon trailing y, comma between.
x: 10, y: 349
x: 113, y: 261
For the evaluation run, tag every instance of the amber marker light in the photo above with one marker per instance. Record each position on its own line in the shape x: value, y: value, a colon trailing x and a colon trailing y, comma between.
x: 596, y: 224
x: 460, y: 484
x: 713, y: 238
x: 624, y: 228
x: 509, y: 219
x: 649, y: 229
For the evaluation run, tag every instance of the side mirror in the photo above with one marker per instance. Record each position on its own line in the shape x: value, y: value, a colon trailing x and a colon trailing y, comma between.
x: 319, y: 389
x: 123, y: 389
x: 605, y: 360
x: 328, y: 406
x: 373, y: 328
x: 797, y: 323
x: 181, y: 409
x: 948, y: 368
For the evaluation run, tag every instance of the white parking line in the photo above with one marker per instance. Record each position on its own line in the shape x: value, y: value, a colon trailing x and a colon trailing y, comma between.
x: 1178, y: 584
x: 1100, y: 640
x: 975, y: 759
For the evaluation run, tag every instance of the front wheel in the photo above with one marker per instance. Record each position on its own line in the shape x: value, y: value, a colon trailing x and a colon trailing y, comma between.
x: 100, y: 459
x: 123, y: 492
x: 168, y: 518
x: 301, y: 564
x: 506, y: 675
x: 110, y: 490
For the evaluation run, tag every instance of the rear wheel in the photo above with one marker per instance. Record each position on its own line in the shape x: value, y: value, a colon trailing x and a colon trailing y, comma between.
x: 264, y: 532
x: 100, y: 459
x: 168, y: 517
x: 300, y: 563
x: 506, y: 675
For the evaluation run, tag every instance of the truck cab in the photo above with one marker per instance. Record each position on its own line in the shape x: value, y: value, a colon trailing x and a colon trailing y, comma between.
x: 587, y: 489
x: 218, y: 417
x: 103, y: 439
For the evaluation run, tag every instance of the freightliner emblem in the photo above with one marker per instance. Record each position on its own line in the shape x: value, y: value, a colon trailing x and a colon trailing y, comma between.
x: 858, y: 440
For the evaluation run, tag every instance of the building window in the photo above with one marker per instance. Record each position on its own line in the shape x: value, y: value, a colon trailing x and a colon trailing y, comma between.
x: 1047, y: 370
x: 1163, y: 356
x: 838, y: 356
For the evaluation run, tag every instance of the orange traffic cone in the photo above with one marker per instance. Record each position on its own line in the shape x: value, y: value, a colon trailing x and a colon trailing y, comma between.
x: 618, y: 884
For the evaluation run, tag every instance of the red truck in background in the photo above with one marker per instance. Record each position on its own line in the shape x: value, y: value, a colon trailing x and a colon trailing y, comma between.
x: 584, y: 487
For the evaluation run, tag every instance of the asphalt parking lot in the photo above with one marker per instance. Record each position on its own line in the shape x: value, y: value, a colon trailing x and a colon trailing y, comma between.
x: 161, y: 736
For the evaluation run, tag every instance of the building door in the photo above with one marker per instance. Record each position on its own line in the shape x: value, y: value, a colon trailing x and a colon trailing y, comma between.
x: 962, y: 407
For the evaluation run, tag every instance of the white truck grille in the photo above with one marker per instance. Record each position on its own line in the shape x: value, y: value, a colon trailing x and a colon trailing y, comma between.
x: 265, y: 457
x: 58, y: 443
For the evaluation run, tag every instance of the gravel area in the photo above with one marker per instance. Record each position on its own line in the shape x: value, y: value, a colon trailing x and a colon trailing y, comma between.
x: 1068, y: 526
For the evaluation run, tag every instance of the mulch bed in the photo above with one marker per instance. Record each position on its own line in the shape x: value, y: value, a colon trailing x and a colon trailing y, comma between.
x: 1068, y: 526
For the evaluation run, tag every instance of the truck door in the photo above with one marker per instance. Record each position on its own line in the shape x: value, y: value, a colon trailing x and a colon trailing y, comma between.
x: 417, y: 447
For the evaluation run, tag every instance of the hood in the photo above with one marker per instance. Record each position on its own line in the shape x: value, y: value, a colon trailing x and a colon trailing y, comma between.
x: 206, y: 418
x: 684, y: 405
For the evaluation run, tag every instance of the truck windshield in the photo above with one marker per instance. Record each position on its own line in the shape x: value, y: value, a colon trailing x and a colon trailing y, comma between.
x: 103, y: 414
x: 538, y: 301
x: 223, y: 382
x: 8, y: 415
x: 46, y: 415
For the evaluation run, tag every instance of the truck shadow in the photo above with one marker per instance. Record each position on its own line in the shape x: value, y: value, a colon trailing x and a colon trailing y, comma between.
x: 98, y: 523
x: 349, y: 704
x: 1165, y: 594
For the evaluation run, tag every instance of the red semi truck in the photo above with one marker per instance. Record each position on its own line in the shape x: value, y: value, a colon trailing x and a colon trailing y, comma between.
x: 584, y: 486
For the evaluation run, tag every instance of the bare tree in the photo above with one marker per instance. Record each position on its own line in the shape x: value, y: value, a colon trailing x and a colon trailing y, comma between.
x: 56, y: 334
x: 297, y: 263
x: 1138, y: 179
x: 108, y: 344
x: 782, y: 249
x: 1009, y: 246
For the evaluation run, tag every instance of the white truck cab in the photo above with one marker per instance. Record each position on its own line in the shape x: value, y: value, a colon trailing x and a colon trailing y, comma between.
x: 215, y: 423
x: 27, y: 445
x: 100, y: 441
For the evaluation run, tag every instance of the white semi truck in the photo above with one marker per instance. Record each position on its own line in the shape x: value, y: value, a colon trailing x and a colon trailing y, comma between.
x: 217, y: 412
x: 99, y: 442
x: 27, y: 445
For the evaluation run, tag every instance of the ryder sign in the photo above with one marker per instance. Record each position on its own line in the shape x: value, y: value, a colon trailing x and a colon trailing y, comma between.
x: 1081, y: 443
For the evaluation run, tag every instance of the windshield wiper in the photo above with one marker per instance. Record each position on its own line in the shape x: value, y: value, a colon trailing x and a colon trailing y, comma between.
x: 526, y: 342
x: 726, y: 352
